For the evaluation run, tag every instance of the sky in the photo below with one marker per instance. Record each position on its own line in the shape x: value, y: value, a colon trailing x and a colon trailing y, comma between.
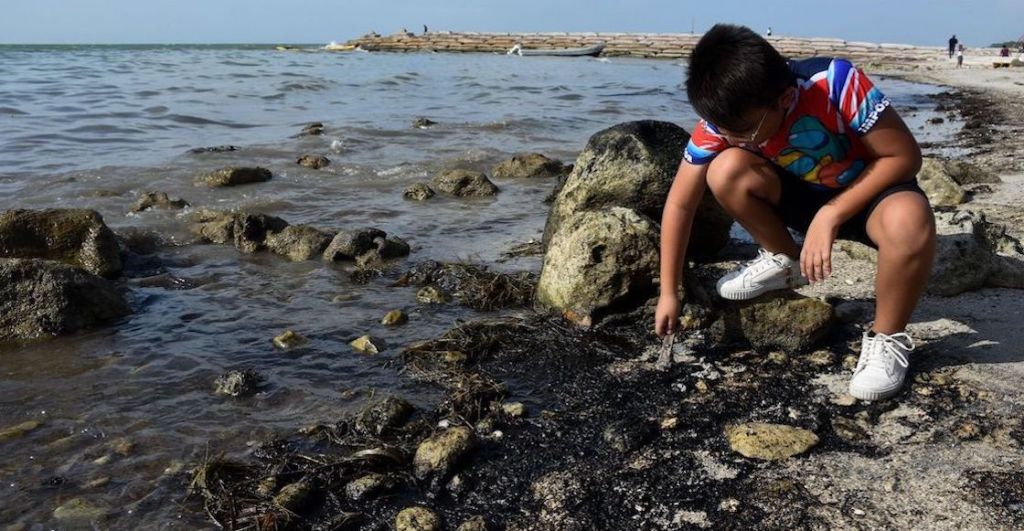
x: 921, y: 22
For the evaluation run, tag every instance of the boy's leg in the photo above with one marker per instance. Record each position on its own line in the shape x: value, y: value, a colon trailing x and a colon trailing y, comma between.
x: 748, y: 188
x: 903, y: 228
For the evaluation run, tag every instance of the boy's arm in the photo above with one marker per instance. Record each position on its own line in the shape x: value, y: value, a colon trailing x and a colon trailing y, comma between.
x: 895, y: 156
x: 676, y: 221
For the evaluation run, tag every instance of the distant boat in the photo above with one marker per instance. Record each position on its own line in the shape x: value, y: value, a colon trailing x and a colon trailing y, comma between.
x: 286, y: 48
x: 335, y: 47
x: 594, y: 51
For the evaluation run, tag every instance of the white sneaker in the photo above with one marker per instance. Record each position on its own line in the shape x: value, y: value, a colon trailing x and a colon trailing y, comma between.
x: 882, y: 367
x: 768, y: 272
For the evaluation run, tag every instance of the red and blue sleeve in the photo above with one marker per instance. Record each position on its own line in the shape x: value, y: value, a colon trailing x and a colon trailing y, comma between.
x: 858, y: 99
x: 704, y: 144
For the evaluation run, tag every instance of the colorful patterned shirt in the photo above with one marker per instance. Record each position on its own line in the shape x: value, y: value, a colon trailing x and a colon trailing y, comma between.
x: 819, y: 139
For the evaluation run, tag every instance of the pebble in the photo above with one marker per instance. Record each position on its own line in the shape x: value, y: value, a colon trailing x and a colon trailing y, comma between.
x: 365, y: 345
x: 288, y: 339
x: 417, y: 519
x: 779, y: 358
x: 845, y: 400
x: 514, y: 409
x: 394, y: 318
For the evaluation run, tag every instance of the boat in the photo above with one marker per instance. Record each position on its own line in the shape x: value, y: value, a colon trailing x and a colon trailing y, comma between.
x: 335, y: 47
x: 593, y: 51
x: 287, y: 48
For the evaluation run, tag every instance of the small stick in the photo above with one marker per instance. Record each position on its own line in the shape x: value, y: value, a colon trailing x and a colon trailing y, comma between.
x: 665, y: 355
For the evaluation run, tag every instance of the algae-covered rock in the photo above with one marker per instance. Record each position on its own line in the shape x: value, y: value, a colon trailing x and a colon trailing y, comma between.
x: 464, y: 183
x: 382, y: 415
x: 349, y: 244
x: 476, y: 523
x: 778, y: 321
x: 288, y: 339
x: 234, y: 176
x: 599, y: 260
x: 314, y: 162
x: 438, y: 454
x: 418, y: 192
x: 369, y: 486
x: 972, y: 253
x: 769, y: 442
x: 528, y: 166
x: 395, y: 318
x: 40, y: 298
x: 74, y: 236
x: 938, y: 184
x: 236, y: 383
x: 298, y: 242
x: 417, y: 519
x: 79, y: 511
x: 251, y: 230
x: 150, y: 200
x: 431, y: 295
x: 293, y: 497
x: 19, y: 430
x: 366, y: 345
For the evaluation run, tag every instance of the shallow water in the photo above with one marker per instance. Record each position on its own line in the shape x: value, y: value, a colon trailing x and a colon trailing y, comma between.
x: 94, y: 126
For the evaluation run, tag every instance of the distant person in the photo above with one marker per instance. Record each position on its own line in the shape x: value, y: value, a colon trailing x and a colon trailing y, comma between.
x: 952, y: 45
x: 769, y: 32
x: 811, y: 145
x: 424, y: 29
x: 1004, y: 51
x: 960, y: 56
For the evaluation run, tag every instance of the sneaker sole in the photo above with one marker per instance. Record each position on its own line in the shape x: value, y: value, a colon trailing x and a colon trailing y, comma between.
x: 864, y: 394
x: 751, y: 293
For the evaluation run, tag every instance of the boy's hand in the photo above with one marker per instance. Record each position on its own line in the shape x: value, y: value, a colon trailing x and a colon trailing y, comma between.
x: 666, y: 316
x: 816, y: 255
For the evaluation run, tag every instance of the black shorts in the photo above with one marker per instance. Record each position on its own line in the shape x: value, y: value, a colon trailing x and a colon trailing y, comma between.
x: 800, y: 201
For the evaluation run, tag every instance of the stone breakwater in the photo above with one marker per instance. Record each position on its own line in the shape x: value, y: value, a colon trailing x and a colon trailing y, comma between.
x: 649, y: 45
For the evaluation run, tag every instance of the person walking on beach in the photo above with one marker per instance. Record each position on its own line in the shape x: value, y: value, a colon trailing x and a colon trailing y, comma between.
x: 813, y: 146
x: 960, y: 56
x: 952, y: 45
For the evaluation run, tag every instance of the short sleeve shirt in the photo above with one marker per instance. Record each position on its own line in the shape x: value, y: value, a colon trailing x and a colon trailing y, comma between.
x: 819, y: 140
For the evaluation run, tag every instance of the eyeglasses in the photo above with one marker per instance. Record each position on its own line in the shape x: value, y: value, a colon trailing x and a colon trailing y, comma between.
x: 746, y: 139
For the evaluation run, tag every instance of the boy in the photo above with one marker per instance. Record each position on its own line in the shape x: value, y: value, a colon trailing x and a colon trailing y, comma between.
x: 810, y: 145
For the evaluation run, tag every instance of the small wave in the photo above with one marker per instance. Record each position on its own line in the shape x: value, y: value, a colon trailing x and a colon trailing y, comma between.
x: 104, y: 129
x: 314, y: 86
x: 655, y: 91
x: 12, y: 110
x: 147, y: 93
x: 238, y: 63
x: 156, y: 109
x: 196, y: 120
x: 569, y: 97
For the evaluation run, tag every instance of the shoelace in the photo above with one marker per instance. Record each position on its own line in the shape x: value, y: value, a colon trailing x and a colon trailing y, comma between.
x: 883, y: 346
x: 763, y: 261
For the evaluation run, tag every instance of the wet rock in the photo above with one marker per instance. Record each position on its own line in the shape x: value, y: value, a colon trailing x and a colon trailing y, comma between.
x: 464, y: 183
x: 313, y: 161
x: 849, y: 429
x: 417, y: 519
x: 382, y: 415
x: 366, y: 345
x: 298, y: 242
x: 214, y: 149
x: 19, y: 430
x: 369, y: 486
x: 391, y: 247
x: 97, y: 483
x: 295, y: 496
x: 514, y: 409
x: 150, y: 200
x: 80, y: 511
x: 251, y: 230
x: 349, y: 244
x: 71, y: 235
x: 422, y: 123
x: 632, y: 165
x: 418, y: 192
x: 431, y: 295
x: 40, y: 298
x: 770, y: 442
x: 598, y: 262
x: 528, y: 166
x: 213, y: 226
x: 476, y: 523
x: 395, y: 318
x: 628, y: 435
x: 288, y: 339
x: 234, y: 176
x: 243, y: 382
x: 784, y: 321
x: 972, y: 253
x: 122, y: 446
x: 938, y: 185
x: 966, y: 173
x: 438, y: 454
x: 313, y: 129
x: 821, y: 358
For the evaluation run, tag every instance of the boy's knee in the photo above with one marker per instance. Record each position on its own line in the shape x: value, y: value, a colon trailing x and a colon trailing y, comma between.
x: 907, y: 224
x: 727, y: 170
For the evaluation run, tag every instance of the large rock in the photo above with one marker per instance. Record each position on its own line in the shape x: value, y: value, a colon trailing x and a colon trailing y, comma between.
x: 938, y: 184
x: 246, y: 230
x: 966, y: 173
x: 235, y: 176
x: 73, y: 236
x: 973, y: 253
x: 528, y: 165
x: 464, y: 183
x: 349, y: 244
x: 40, y: 298
x: 438, y: 454
x: 769, y: 442
x: 783, y: 321
x: 298, y: 242
x: 632, y: 165
x: 597, y: 261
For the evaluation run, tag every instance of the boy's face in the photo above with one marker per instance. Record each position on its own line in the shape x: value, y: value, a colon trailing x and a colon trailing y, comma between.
x: 764, y: 122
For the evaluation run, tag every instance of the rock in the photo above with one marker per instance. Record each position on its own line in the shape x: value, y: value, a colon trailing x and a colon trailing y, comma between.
x: 423, y: 123
x: 213, y: 226
x: 770, y: 442
x: 395, y: 318
x: 972, y: 253
x: 848, y: 429
x: 417, y: 519
x: 391, y: 247
x: 234, y: 176
x: 438, y: 454
x: 365, y: 345
x: 561, y: 495
x: 40, y: 298
x: 288, y: 339
x: 298, y: 242
x: 784, y: 321
x: 19, y: 430
x: 966, y: 173
x: 627, y: 435
x: 476, y: 523
x: 368, y: 486
x: 295, y: 496
x: 382, y: 415
x: 214, y: 149
x: 313, y: 161
x: 150, y: 200
x: 514, y: 409
x: 528, y: 166
x: 597, y: 262
x: 250, y: 230
x: 464, y: 183
x: 78, y: 510
x: 431, y: 295
x: 418, y: 192
x: 821, y: 358
x: 122, y: 446
x: 313, y: 129
x: 238, y: 383
x: 74, y: 236
x: 936, y: 120
x: 632, y: 165
x: 347, y: 245
x: 938, y: 185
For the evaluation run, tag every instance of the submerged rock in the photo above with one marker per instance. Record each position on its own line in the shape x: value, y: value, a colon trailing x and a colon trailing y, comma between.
x: 40, y: 298
x: 71, y: 235
x: 19, y: 430
x: 298, y: 242
x: 366, y: 345
x: 150, y: 200
x: 395, y: 318
x: 528, y: 165
x: 769, y: 442
x: 288, y: 339
x: 597, y: 261
x: 938, y: 185
x: 234, y: 176
x: 464, y: 183
x: 438, y: 454
x: 349, y: 244
x: 80, y: 511
x: 243, y: 382
x: 313, y: 129
x: 417, y: 519
x: 972, y: 253
x: 632, y: 165
x: 313, y: 161
x: 214, y: 149
x: 423, y: 123
x: 418, y: 192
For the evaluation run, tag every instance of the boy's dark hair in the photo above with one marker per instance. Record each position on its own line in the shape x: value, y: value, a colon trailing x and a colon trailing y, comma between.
x: 732, y: 70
